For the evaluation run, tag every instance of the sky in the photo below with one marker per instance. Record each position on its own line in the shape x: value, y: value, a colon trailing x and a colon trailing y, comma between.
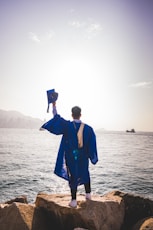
x: 97, y: 54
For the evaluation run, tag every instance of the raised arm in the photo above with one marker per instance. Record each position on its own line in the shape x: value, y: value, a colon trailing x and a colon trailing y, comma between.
x: 54, y: 110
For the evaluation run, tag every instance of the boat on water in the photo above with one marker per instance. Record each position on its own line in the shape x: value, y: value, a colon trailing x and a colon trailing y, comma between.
x: 130, y: 131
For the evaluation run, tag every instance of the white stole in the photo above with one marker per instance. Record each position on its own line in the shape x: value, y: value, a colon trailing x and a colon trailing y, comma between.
x: 80, y: 136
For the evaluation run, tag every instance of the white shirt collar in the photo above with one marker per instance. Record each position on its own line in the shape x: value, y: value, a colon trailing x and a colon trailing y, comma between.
x: 77, y: 121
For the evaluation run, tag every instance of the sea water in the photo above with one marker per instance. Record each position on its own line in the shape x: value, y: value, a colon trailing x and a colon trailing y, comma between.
x: 28, y: 156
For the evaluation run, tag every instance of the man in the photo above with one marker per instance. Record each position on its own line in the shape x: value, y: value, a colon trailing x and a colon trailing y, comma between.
x: 78, y: 145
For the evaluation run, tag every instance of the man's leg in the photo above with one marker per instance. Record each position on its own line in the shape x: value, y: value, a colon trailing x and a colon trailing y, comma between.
x: 87, y: 187
x: 73, y: 202
x: 73, y: 194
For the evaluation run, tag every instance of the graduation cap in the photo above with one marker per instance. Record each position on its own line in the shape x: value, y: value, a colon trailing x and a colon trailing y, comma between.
x: 51, y: 97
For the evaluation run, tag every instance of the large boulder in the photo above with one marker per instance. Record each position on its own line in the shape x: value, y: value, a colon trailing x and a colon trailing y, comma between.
x: 136, y: 208
x: 100, y: 213
x: 145, y: 224
x: 19, y: 216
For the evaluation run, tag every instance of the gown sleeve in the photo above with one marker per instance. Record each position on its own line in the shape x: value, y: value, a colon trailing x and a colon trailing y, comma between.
x: 92, y: 148
x: 57, y: 125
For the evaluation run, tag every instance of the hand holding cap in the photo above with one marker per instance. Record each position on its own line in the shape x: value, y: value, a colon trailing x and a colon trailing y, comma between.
x: 52, y: 97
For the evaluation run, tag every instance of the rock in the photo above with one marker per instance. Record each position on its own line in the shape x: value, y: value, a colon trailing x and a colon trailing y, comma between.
x: 145, y: 224
x: 80, y: 229
x: 104, y: 213
x: 18, y: 216
x: 136, y: 208
x: 113, y: 211
x: 20, y: 199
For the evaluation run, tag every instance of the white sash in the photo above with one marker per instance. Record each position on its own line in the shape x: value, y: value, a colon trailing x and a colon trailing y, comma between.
x: 80, y: 136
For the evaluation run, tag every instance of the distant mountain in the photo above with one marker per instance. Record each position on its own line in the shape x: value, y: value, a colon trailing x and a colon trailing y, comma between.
x: 14, y: 119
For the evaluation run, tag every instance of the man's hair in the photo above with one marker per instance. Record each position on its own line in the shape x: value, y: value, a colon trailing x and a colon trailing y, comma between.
x: 76, y: 111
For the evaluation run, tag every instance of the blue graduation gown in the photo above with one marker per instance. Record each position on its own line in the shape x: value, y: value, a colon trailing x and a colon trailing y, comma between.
x: 72, y: 163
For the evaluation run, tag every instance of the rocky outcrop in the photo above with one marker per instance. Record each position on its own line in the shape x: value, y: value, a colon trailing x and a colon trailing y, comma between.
x: 136, y: 208
x: 20, y: 216
x: 113, y: 211
x: 21, y: 199
x: 100, y: 213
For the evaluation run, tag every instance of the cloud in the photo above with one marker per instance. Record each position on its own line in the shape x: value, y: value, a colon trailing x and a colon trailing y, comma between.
x: 91, y: 29
x: 77, y: 24
x: 34, y: 37
x: 142, y: 84
x: 72, y: 10
x: 94, y: 27
x: 46, y: 37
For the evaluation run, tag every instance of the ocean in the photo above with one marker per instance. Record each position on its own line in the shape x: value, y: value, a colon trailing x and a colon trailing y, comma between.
x: 28, y: 156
